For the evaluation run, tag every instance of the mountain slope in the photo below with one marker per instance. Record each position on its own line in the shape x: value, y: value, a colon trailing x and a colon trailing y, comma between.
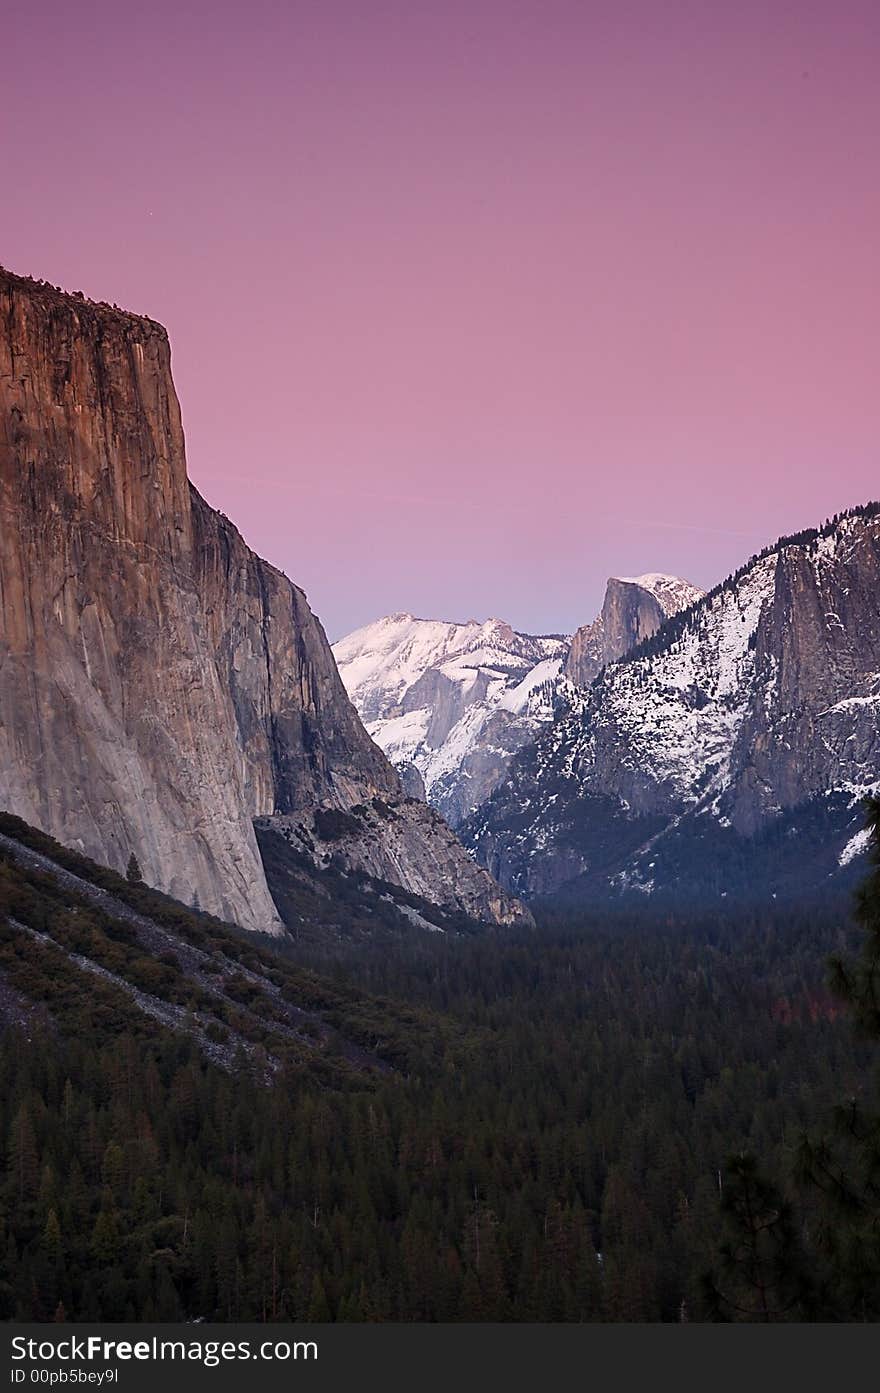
x: 96, y: 956
x: 450, y: 703
x: 756, y: 710
x: 160, y: 685
x: 633, y: 610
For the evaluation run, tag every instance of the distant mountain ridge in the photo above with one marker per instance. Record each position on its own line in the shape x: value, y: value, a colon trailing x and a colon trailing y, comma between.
x: 451, y: 703
x: 448, y: 702
x: 745, y: 722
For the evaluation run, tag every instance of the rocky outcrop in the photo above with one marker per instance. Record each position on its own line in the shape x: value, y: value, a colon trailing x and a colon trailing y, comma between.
x: 160, y: 685
x: 632, y: 611
x: 813, y: 717
x: 750, y: 721
x: 403, y: 841
x: 451, y: 703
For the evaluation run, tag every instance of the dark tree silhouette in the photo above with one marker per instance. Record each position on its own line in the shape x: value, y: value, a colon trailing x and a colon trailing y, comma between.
x: 842, y: 1167
x: 762, y: 1268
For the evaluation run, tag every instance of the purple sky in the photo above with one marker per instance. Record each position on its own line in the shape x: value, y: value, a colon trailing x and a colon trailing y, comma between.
x: 473, y: 304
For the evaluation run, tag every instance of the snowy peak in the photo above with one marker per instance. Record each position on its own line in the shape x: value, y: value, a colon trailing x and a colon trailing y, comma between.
x: 672, y: 593
x: 382, y: 661
x: 633, y: 610
x: 750, y: 720
x: 449, y: 702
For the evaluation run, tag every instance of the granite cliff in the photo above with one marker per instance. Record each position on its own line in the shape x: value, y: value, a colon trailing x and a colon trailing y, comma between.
x: 632, y: 611
x: 161, y: 686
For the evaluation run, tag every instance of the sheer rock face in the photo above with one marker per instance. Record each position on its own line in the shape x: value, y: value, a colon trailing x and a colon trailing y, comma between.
x: 633, y: 611
x: 160, y: 685
x: 813, y: 721
x: 760, y: 706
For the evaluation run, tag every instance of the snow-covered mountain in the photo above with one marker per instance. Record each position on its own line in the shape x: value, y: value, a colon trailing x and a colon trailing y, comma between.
x: 731, y: 749
x: 450, y: 703
x: 633, y: 610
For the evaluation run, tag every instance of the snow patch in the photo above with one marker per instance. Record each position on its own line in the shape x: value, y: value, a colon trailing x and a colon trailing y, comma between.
x: 486, y: 690
x: 856, y: 846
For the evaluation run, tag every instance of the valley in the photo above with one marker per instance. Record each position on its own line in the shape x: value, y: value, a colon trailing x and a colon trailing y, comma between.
x: 452, y: 973
x: 482, y: 1097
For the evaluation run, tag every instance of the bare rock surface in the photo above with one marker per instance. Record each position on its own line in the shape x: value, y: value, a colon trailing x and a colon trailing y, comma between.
x: 161, y: 686
x: 633, y: 610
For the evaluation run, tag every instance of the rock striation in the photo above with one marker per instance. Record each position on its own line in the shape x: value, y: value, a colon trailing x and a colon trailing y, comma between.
x: 161, y: 686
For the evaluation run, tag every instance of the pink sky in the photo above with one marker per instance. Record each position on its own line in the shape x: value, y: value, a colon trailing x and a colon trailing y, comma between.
x: 474, y: 304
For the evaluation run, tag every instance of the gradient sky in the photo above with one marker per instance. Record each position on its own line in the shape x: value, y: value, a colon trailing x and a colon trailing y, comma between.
x: 474, y: 304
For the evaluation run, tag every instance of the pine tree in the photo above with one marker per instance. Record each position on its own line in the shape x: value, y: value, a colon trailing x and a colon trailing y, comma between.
x: 762, y: 1274
x: 319, y: 1307
x: 23, y: 1156
x: 105, y: 1237
x: 859, y: 984
x: 133, y: 871
x: 52, y: 1236
x: 842, y: 1168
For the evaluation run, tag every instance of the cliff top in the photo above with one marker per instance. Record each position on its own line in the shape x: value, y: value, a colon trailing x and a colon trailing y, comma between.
x: 52, y: 296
